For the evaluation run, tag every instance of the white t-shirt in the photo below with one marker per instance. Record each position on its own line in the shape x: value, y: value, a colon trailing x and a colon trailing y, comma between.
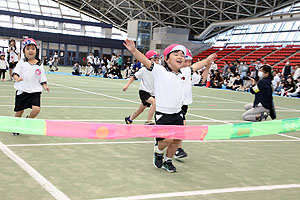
x: 13, y: 56
x: 147, y: 83
x: 3, y: 64
x: 55, y: 58
x: 187, y: 72
x: 275, y: 81
x: 33, y: 76
x: 214, y: 66
x: 297, y: 73
x: 169, y: 89
x: 90, y: 59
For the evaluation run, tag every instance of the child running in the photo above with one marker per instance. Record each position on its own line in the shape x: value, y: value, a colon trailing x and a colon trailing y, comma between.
x: 191, y: 78
x: 3, y: 66
x: 146, y: 91
x: 169, y: 95
x: 30, y: 81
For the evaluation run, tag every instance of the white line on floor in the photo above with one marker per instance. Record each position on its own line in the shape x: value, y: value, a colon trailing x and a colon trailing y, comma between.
x: 136, y: 120
x: 145, y: 142
x: 191, y: 109
x: 96, y: 93
x: 211, y: 97
x: 207, y: 192
x: 215, y: 120
x: 283, y: 135
x: 49, y: 187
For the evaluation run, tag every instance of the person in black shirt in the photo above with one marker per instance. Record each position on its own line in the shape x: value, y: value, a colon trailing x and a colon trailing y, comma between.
x: 263, y: 101
x: 290, y: 86
x: 238, y: 83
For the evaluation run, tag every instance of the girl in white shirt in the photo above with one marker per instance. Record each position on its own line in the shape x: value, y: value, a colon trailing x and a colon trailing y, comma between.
x: 30, y: 80
x: 146, y: 91
x: 169, y: 95
x: 3, y: 66
x: 14, y: 56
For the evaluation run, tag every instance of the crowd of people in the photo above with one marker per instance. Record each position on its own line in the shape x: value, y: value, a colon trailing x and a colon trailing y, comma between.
x: 237, y: 76
x: 107, y: 68
x: 234, y: 76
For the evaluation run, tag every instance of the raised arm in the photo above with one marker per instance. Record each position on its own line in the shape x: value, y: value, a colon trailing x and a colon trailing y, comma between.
x: 206, y: 62
x: 205, y: 74
x: 129, y: 44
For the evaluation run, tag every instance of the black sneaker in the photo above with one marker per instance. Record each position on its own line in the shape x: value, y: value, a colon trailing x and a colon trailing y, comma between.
x: 15, y: 134
x: 168, y: 165
x: 180, y: 153
x: 263, y: 116
x: 158, y: 159
x: 128, y: 120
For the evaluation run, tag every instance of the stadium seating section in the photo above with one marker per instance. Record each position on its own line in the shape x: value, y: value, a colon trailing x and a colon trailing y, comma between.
x: 276, y: 55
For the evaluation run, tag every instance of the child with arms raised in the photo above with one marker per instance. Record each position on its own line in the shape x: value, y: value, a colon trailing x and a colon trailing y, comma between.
x: 169, y: 94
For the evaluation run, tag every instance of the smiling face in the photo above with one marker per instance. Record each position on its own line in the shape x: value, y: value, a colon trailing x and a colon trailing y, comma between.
x: 30, y: 51
x: 12, y: 43
x: 188, y: 62
x: 155, y: 60
x: 175, y: 60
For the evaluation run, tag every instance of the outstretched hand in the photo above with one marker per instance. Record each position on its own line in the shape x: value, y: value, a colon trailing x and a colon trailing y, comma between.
x: 211, y: 58
x: 129, y: 44
x: 125, y: 87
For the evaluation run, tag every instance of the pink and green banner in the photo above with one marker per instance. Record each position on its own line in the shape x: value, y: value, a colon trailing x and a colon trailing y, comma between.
x: 123, y: 131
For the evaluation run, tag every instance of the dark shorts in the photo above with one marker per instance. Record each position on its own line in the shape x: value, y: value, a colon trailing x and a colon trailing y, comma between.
x: 144, y: 96
x: 27, y: 100
x: 168, y: 119
x: 184, y: 110
x: 12, y: 65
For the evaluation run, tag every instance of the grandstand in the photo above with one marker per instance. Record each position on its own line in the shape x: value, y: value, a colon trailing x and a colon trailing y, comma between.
x: 275, y: 55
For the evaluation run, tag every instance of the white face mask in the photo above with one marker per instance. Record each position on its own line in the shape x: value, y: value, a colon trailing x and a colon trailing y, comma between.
x: 260, y: 74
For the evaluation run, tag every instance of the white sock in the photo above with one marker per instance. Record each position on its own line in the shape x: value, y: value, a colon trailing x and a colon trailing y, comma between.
x: 166, y: 158
x: 157, y: 150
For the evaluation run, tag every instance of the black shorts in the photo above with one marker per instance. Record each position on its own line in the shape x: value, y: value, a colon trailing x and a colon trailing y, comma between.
x: 184, y: 110
x: 12, y: 65
x: 168, y: 119
x: 144, y: 96
x: 27, y: 100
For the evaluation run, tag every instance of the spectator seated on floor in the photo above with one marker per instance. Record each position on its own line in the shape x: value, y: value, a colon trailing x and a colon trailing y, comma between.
x: 238, y: 83
x: 113, y: 72
x: 290, y: 86
x: 218, y: 80
x: 297, y: 91
x: 276, y: 80
x: 76, y: 69
x: 230, y: 82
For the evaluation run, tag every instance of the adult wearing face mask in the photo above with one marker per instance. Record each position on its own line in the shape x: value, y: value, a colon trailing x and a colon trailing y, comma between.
x: 263, y: 101
x: 287, y: 70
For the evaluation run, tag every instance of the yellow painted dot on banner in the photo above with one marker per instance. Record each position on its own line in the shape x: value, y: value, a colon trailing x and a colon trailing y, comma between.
x: 102, y: 132
x: 243, y: 131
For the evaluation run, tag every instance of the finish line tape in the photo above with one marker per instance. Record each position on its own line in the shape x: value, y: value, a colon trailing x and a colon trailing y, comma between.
x: 123, y: 131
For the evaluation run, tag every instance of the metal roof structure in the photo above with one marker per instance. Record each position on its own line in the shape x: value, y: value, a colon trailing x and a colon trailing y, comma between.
x: 195, y: 15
